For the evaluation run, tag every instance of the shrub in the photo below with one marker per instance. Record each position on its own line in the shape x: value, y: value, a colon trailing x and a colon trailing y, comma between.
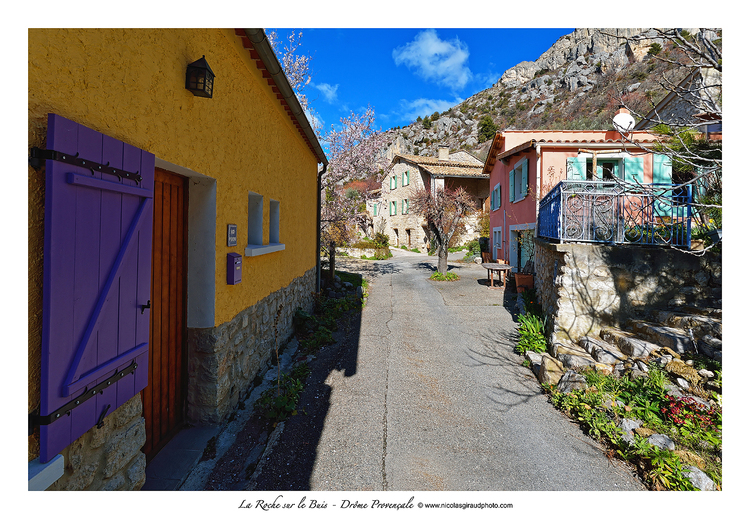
x: 531, y: 334
x: 381, y: 240
x: 450, y: 276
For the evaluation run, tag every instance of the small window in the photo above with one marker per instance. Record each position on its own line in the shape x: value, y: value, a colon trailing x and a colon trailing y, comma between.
x: 519, y: 181
x: 496, y: 201
x: 405, y: 206
x: 393, y: 182
x: 393, y: 208
x: 405, y: 178
x: 254, y: 219
x: 497, y: 237
x: 375, y: 209
x: 273, y: 223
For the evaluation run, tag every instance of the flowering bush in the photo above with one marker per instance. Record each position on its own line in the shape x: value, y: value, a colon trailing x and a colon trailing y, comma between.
x: 686, y: 411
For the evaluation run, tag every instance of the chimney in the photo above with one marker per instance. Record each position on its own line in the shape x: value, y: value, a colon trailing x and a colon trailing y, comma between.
x: 443, y: 152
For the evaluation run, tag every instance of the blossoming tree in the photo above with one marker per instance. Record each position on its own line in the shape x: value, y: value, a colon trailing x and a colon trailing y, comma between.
x: 356, y: 154
x: 445, y: 211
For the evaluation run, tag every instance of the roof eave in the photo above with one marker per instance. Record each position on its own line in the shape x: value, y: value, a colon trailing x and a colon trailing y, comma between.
x: 266, y: 54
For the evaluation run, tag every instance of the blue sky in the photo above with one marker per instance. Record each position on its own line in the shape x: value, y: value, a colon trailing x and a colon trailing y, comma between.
x: 406, y: 73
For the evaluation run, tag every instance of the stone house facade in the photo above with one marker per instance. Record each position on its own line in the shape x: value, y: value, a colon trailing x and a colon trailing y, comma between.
x: 391, y: 213
x: 157, y: 227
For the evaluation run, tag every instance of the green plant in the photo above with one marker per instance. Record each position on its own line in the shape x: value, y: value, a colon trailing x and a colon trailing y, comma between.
x: 280, y: 402
x: 531, y: 334
x: 381, y: 240
x: 450, y: 276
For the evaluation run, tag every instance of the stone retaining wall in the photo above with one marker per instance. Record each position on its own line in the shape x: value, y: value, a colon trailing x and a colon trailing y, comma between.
x: 110, y: 457
x: 584, y: 287
x: 223, y: 361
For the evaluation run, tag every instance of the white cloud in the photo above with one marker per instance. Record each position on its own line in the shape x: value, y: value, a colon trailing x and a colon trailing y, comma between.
x: 329, y: 91
x: 441, y: 61
x: 425, y: 107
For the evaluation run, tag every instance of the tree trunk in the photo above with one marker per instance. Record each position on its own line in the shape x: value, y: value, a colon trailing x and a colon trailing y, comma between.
x: 442, y: 252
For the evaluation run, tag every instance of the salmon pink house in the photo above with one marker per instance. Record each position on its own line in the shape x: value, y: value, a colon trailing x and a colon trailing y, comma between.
x: 524, y: 165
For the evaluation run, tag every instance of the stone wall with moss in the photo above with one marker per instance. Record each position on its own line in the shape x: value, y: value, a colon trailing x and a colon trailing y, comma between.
x: 584, y: 287
x: 110, y: 457
x: 223, y: 361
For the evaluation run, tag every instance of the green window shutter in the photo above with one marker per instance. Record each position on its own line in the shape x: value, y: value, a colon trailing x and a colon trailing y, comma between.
x: 374, y: 209
x: 524, y: 177
x: 407, y: 176
x: 662, y: 170
x: 512, y: 182
x: 499, y: 196
x: 576, y: 168
x: 633, y: 169
x: 407, y: 206
x: 492, y: 202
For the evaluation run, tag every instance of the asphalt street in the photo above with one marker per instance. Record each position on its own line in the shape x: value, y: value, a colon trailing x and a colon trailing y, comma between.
x: 427, y: 394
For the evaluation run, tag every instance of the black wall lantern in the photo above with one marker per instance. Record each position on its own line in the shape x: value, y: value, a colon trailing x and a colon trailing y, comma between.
x: 200, y: 78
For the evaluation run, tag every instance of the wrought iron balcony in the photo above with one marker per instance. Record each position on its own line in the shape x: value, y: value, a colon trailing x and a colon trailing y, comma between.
x: 616, y: 212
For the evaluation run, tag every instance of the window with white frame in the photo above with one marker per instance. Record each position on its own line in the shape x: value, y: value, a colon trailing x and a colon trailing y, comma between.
x: 405, y: 206
x: 496, y: 200
x: 274, y: 217
x: 405, y: 178
x: 254, y: 219
x: 497, y: 237
x: 255, y: 245
x: 393, y: 182
x: 393, y: 208
x: 519, y: 181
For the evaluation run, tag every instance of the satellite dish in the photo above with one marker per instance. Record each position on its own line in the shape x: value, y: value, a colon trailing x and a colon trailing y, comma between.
x: 623, y: 122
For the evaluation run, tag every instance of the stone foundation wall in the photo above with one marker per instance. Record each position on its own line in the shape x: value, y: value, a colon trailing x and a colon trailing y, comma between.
x: 223, y: 361
x: 584, y: 287
x: 109, y: 458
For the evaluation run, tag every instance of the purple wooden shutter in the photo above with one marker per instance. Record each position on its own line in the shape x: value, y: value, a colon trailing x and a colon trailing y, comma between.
x: 97, y: 276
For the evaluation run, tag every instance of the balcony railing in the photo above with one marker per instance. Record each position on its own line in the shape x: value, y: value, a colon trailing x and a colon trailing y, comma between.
x: 616, y: 212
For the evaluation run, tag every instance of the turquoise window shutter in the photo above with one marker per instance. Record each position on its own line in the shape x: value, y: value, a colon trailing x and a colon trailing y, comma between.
x: 662, y: 169
x: 524, y: 177
x: 576, y: 168
x: 374, y: 209
x: 512, y: 182
x: 407, y: 176
x: 499, y: 197
x: 662, y: 174
x: 633, y: 169
x: 492, y: 203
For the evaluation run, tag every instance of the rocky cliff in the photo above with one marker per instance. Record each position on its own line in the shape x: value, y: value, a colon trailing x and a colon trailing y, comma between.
x: 576, y: 84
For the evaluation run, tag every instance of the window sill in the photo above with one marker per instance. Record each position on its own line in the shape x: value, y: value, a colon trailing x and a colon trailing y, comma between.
x: 41, y: 476
x: 259, y: 250
x: 519, y: 200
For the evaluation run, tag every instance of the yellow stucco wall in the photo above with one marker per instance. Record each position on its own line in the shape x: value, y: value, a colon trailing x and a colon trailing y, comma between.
x: 130, y: 84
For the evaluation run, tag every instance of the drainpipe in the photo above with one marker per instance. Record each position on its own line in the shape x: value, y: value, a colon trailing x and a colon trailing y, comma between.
x: 538, y: 184
x: 317, y: 247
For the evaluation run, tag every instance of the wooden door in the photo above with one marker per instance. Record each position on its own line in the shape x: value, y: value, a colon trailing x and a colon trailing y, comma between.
x: 164, y: 398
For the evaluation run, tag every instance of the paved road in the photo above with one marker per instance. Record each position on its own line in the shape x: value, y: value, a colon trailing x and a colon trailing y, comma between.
x: 428, y: 395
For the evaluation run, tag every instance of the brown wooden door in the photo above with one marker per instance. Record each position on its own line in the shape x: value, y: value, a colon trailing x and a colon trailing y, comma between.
x: 164, y: 398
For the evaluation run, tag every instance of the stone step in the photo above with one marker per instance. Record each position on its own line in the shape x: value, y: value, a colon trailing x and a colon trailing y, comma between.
x: 572, y: 356
x: 602, y: 351
x: 700, y: 324
x: 672, y: 338
x: 628, y: 343
x: 712, y: 310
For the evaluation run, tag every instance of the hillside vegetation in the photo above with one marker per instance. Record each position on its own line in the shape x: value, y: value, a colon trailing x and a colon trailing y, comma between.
x: 576, y: 85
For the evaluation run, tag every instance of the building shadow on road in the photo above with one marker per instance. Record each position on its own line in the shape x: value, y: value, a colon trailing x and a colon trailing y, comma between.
x: 290, y: 464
